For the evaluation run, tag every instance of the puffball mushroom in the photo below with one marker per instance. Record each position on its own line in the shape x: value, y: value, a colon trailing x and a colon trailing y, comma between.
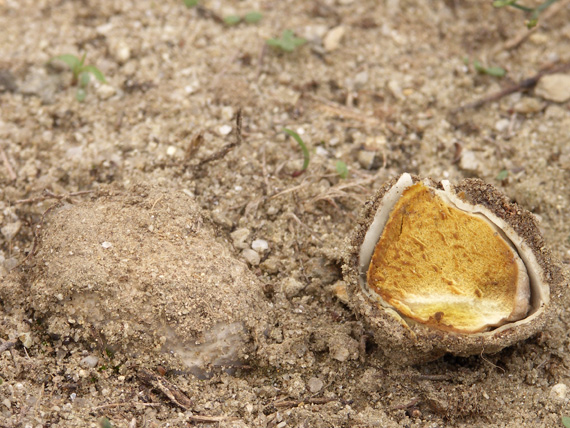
x: 434, y: 268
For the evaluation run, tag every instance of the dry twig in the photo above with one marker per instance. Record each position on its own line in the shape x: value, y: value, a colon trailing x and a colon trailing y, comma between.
x: 522, y: 86
x: 226, y: 149
x: 171, y: 391
x: 8, y: 165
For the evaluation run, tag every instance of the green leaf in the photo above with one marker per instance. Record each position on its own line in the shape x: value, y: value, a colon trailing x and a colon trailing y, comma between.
x: 495, y: 71
x: 491, y: 71
x: 303, y: 146
x: 70, y: 60
x: 105, y: 423
x: 80, y: 95
x: 95, y: 72
x: 232, y: 19
x: 503, y: 175
x: 566, y: 421
x: 342, y: 169
x: 288, y: 41
x: 84, y: 79
x: 253, y: 17
x: 503, y: 3
x: 191, y: 3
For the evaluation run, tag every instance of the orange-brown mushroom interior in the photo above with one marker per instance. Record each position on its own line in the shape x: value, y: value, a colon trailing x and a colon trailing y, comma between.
x: 447, y: 268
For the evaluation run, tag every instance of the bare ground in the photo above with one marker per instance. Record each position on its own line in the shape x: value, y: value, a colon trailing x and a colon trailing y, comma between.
x: 382, y: 98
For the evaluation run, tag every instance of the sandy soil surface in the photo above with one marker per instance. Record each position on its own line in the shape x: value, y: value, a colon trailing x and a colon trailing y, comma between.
x: 135, y: 181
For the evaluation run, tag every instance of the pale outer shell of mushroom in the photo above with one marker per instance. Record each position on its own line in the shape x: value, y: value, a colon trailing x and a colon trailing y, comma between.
x: 409, y: 342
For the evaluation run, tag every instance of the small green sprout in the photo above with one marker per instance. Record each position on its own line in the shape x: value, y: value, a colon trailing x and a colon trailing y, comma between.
x: 232, y: 19
x: 288, y: 42
x: 252, y: 17
x: 342, y: 169
x: 491, y: 71
x: 502, y: 175
x: 81, y: 73
x: 566, y: 421
x: 249, y: 18
x: 105, y: 423
x: 304, y: 149
x: 191, y: 3
x: 535, y: 12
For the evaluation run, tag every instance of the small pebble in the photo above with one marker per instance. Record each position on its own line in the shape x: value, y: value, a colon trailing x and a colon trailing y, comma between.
x: 554, y: 87
x: 366, y: 158
x: 360, y: 80
x: 558, y: 392
x: 469, y: 162
x: 333, y: 38
x: 227, y: 113
x: 239, y: 236
x: 528, y: 105
x: 260, y: 245
x: 171, y: 151
x: 26, y: 339
x: 315, y: 385
x: 502, y: 125
x: 105, y: 91
x: 90, y: 361
x: 106, y: 244
x: 252, y: 257
x: 225, y: 129
x: 292, y: 287
x: 11, y: 230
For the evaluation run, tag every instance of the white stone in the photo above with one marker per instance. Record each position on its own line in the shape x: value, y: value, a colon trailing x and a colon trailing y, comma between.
x: 554, y: 87
x: 502, y: 125
x: 333, y: 38
x: 90, y: 361
x: 252, y: 257
x: 227, y: 113
x: 315, y: 385
x: 106, y: 244
x: 225, y: 129
x: 171, y: 151
x: 11, y: 230
x: 260, y: 245
x: 558, y: 392
x: 105, y: 91
x: 469, y: 161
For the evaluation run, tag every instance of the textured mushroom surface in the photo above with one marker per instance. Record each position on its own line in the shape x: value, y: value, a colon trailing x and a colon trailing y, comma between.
x: 447, y: 268
x: 433, y: 268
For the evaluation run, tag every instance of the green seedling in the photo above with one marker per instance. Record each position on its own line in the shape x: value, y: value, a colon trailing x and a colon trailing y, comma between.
x: 81, y: 73
x: 232, y: 19
x: 566, y: 421
x: 252, y: 17
x: 288, y: 42
x: 503, y: 175
x: 534, y: 12
x: 342, y: 169
x: 191, y: 3
x: 105, y: 423
x: 249, y: 18
x: 491, y: 71
x: 304, y: 149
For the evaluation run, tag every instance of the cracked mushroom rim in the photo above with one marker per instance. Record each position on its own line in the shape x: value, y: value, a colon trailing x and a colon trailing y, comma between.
x: 539, y: 290
x: 407, y: 341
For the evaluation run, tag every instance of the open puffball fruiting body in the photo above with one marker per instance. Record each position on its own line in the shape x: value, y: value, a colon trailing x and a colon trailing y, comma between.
x: 435, y: 268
